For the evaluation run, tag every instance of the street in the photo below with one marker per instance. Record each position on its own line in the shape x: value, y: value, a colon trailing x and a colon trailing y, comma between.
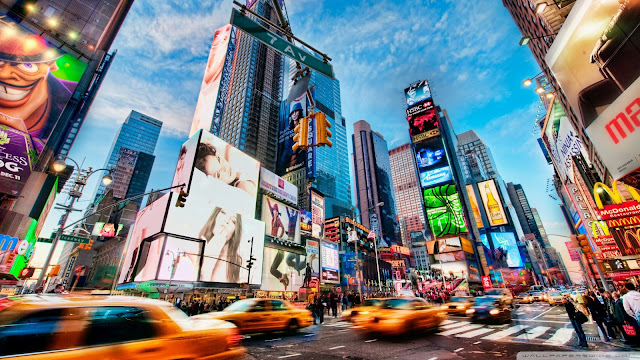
x: 536, y: 327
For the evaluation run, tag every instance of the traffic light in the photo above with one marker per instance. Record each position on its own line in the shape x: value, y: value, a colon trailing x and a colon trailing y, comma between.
x: 89, y: 245
x: 521, y: 273
x: 182, y: 198
x: 301, y: 137
x: 322, y: 130
x: 584, y: 244
x: 250, y: 262
x: 574, y: 241
x: 55, y: 270
x: 26, y: 273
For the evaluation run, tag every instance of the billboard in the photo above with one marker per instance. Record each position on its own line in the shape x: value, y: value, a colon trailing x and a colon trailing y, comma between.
x: 106, y: 229
x: 180, y: 256
x: 313, y: 257
x: 594, y: 59
x: 329, y: 262
x: 317, y: 215
x: 417, y: 92
x: 289, y: 160
x: 282, y: 221
x: 184, y: 167
x: 425, y: 122
x: 505, y: 249
x: 282, y: 270
x: 418, y: 239
x: 474, y: 206
x: 305, y: 220
x: 492, y: 203
x: 332, y: 229
x: 574, y: 253
x: 444, y: 246
x: 207, y: 99
x: 17, y: 158
x: 444, y: 210
x: 433, y: 166
x: 278, y: 186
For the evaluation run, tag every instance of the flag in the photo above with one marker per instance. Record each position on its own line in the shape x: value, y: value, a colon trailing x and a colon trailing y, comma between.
x: 371, y: 235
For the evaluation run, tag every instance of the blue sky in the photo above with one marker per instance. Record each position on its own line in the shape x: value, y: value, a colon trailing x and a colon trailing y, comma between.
x: 468, y: 50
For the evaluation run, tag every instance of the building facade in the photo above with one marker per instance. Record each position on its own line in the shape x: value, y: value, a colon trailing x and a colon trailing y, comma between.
x: 407, y: 192
x: 374, y: 182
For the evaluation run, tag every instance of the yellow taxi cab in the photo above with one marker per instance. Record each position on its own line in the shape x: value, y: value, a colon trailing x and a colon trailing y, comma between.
x: 368, y: 305
x: 458, y: 305
x: 258, y: 315
x: 554, y: 298
x: 401, y: 315
x: 52, y: 327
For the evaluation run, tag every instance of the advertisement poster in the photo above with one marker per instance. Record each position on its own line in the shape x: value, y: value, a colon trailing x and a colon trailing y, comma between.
x: 17, y: 157
x: 492, y: 203
x: 305, y: 220
x: 317, y: 215
x: 444, y: 211
x: 313, y: 258
x: 423, y: 123
x: 433, y: 166
x: 348, y: 271
x: 106, y: 229
x: 39, y: 80
x: 444, y: 246
x: 278, y: 186
x: 418, y: 239
x: 180, y: 256
x: 283, y: 271
x: 474, y: 206
x: 574, y: 253
x: 290, y: 115
x: 417, y: 92
x: 505, y: 249
x: 203, y: 116
x: 488, y: 253
x: 330, y: 262
x: 184, y: 167
x: 282, y: 221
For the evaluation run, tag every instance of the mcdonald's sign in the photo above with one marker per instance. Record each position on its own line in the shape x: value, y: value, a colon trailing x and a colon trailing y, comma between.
x: 627, y: 239
x: 601, y: 235
x: 619, y: 208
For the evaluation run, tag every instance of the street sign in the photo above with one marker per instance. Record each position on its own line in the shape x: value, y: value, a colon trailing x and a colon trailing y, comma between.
x: 279, y: 44
x: 72, y: 238
x: 45, y: 240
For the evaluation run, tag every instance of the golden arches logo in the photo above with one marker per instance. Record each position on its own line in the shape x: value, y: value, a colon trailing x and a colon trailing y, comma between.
x: 604, y: 229
x: 613, y: 192
x: 636, y: 236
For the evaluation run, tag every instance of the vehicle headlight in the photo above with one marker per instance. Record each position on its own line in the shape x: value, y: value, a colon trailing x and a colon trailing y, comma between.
x: 364, y: 312
x: 471, y: 311
x: 460, y: 307
x: 444, y: 307
x: 494, y: 312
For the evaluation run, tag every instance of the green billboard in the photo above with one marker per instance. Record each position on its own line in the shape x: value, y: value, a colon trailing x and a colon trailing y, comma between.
x: 444, y: 210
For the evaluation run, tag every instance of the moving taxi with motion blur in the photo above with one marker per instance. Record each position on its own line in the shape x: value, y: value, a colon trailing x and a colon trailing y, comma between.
x: 554, y: 298
x: 489, y: 309
x: 458, y: 305
x: 368, y: 305
x: 523, y: 298
x: 537, y: 296
x: 398, y: 316
x: 258, y: 315
x: 56, y: 327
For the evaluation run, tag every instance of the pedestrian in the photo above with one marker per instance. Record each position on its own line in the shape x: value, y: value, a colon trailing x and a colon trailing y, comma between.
x: 345, y: 302
x: 312, y: 307
x: 333, y: 300
x: 357, y: 300
x: 577, y: 318
x: 598, y: 314
x: 321, y: 303
x: 610, y: 309
x: 631, y: 301
x: 621, y: 317
x: 352, y: 299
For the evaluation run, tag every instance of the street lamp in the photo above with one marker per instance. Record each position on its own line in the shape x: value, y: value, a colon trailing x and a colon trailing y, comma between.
x: 75, y: 193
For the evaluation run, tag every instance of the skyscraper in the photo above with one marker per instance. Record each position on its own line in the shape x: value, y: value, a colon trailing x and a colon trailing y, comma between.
x: 374, y: 182
x: 139, y: 135
x: 407, y: 192
x: 477, y: 156
x: 250, y: 91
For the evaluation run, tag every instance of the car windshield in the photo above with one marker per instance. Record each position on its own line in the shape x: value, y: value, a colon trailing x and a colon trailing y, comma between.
x: 537, y: 293
x: 494, y: 292
x: 485, y: 301
x: 461, y: 299
x: 401, y: 304
x: 554, y: 294
x: 239, y: 306
x: 372, y: 302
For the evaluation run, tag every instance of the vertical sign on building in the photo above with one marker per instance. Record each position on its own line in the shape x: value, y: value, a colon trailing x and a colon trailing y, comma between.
x: 317, y: 215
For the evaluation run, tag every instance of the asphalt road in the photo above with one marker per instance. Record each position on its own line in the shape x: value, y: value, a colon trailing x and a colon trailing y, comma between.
x: 536, y: 327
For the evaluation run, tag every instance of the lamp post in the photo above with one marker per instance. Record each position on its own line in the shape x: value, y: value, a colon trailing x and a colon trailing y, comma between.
x: 174, y: 264
x: 75, y: 193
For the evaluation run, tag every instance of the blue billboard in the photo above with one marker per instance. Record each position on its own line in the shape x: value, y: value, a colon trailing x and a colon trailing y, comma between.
x: 417, y: 92
x: 505, y: 249
x: 433, y: 165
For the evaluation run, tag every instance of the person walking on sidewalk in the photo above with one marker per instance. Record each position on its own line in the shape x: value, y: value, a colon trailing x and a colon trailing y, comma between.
x: 631, y: 301
x: 610, y: 310
x: 577, y: 318
x: 598, y: 314
x: 621, y: 317
x: 321, y: 304
x: 333, y: 301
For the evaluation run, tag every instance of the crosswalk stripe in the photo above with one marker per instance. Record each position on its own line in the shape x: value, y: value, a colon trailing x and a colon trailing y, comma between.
x: 460, y: 329
x: 560, y: 337
x: 455, y: 324
x: 533, y: 333
x: 506, y: 332
x: 475, y: 333
x: 448, y: 322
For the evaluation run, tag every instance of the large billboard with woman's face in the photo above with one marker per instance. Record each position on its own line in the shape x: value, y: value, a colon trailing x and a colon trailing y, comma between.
x: 283, y: 270
x: 282, y: 221
x: 290, y: 114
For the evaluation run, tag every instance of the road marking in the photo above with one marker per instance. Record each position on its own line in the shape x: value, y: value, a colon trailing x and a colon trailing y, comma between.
x: 533, y: 333
x: 273, y: 339
x: 455, y: 324
x: 560, y: 337
x: 288, y: 356
x: 372, y: 340
x: 433, y: 358
x: 310, y: 335
x: 337, y: 347
x: 477, y: 342
x: 542, y: 313
x: 475, y: 333
x: 460, y: 329
x: 343, y: 330
x: 538, y: 321
x: 506, y: 332
x: 458, y: 349
x: 447, y: 322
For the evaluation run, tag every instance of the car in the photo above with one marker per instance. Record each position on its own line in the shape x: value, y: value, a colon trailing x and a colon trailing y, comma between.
x: 503, y: 295
x: 554, y: 298
x: 537, y: 296
x: 491, y: 310
x: 350, y: 314
x: 523, y: 298
x: 458, y: 305
x: 260, y: 315
x: 400, y: 315
x: 55, y: 327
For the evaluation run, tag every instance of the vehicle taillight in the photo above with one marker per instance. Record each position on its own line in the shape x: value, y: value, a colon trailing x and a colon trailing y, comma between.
x: 234, y: 338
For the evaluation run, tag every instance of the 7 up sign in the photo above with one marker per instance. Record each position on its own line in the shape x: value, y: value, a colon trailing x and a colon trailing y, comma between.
x: 279, y: 44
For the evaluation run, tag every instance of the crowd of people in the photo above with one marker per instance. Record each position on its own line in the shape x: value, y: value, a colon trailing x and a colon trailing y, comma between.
x: 616, y: 314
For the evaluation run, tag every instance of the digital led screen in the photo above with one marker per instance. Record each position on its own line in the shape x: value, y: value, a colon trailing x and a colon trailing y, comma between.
x: 505, y: 249
x: 423, y: 123
x: 492, y: 203
x: 283, y: 270
x: 182, y: 256
x: 444, y: 210
x: 474, y: 206
x: 433, y: 166
x: 282, y: 221
x: 417, y: 92
x: 329, y: 262
x: 106, y: 229
x: 317, y: 215
x: 290, y: 114
x: 313, y: 257
x: 305, y: 220
x: 278, y: 186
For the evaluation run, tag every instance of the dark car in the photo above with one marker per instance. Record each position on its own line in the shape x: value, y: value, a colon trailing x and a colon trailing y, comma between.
x: 491, y: 310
